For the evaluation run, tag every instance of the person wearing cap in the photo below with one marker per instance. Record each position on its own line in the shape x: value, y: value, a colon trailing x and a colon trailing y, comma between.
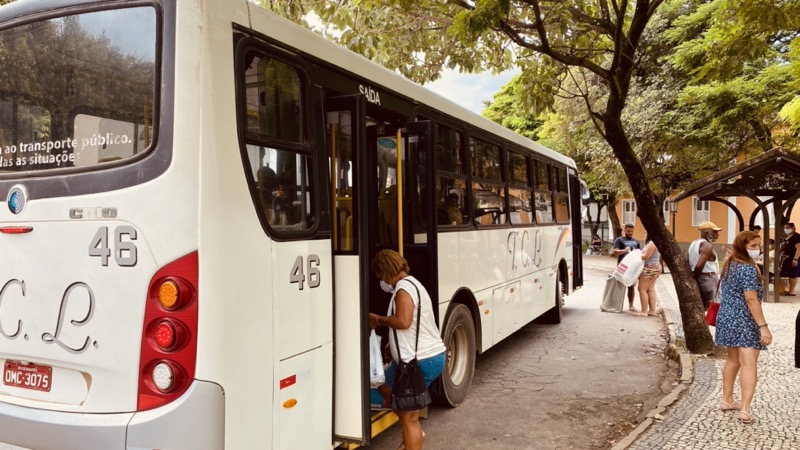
x: 704, y: 262
x: 621, y: 247
x: 790, y: 252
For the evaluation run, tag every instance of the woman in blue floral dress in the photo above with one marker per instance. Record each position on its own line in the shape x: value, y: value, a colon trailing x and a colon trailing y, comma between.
x: 741, y: 326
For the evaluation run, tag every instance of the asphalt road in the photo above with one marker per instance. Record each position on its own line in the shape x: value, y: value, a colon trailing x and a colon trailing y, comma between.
x: 582, y: 384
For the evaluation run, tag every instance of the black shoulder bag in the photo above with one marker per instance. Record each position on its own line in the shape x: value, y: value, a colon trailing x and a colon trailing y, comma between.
x: 409, y: 392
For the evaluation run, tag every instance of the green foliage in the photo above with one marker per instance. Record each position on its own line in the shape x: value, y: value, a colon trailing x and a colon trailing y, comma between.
x: 504, y: 109
x: 791, y: 110
x: 471, y: 24
x: 741, y: 62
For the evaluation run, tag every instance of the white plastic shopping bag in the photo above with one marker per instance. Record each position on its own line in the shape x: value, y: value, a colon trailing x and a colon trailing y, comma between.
x: 629, y: 269
x: 376, y: 375
x: 613, y: 295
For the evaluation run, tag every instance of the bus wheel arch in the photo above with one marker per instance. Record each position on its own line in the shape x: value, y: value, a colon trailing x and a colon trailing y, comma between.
x: 563, y: 278
x: 459, y: 333
x: 554, y: 314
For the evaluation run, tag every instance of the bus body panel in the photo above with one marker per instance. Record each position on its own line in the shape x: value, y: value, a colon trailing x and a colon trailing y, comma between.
x: 304, y: 403
x: 508, y: 309
x: 101, y: 355
x: 85, y: 323
x: 302, y: 292
x: 348, y: 365
x: 484, y: 258
x: 512, y: 272
x: 198, y: 417
x: 283, y: 291
x: 449, y: 251
x: 236, y: 254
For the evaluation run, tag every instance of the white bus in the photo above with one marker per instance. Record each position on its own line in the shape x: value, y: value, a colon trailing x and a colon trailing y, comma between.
x: 194, y: 191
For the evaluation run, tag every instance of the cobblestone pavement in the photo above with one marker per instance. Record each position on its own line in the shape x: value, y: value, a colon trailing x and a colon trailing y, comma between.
x: 692, y: 419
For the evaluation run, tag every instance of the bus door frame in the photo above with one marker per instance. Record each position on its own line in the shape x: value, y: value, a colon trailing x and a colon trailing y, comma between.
x: 576, y: 215
x: 421, y: 257
x: 356, y: 105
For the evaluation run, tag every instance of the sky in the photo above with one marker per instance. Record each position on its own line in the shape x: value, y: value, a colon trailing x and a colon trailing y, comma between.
x: 469, y: 90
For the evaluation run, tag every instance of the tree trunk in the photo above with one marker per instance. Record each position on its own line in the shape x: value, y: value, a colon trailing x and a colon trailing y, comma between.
x: 596, y: 223
x: 698, y: 338
x: 616, y: 224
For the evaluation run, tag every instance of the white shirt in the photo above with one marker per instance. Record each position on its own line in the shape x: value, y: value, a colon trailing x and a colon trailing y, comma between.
x: 694, y: 258
x: 430, y: 342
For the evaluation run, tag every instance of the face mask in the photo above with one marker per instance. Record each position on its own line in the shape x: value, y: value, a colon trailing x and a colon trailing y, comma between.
x: 388, y: 288
x: 753, y: 253
x: 787, y: 230
x: 711, y: 238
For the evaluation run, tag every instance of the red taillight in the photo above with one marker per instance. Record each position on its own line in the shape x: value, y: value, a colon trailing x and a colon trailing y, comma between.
x: 169, y: 335
x: 16, y: 230
x: 165, y: 335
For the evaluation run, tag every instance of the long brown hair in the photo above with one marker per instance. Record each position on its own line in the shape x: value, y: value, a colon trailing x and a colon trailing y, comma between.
x: 739, y: 251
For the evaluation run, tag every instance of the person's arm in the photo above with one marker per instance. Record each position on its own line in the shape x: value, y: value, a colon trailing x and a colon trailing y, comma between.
x: 796, y: 254
x: 403, y: 314
x: 620, y: 251
x: 705, y: 251
x: 648, y: 251
x: 751, y: 299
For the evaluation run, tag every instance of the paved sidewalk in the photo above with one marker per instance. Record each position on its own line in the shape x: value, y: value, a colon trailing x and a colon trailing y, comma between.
x: 689, y: 417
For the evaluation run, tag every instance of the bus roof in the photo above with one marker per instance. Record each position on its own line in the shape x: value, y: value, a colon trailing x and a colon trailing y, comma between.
x: 313, y: 44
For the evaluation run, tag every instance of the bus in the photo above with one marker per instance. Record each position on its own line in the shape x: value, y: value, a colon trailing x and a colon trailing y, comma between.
x: 194, y: 190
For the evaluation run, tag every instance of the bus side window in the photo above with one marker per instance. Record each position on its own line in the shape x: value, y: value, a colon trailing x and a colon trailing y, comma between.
x: 278, y: 155
x: 488, y: 194
x: 267, y: 182
x: 561, y: 199
x: 519, y: 190
x: 543, y: 198
x: 451, y: 178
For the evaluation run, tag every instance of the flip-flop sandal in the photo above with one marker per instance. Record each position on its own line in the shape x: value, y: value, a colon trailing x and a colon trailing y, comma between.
x: 725, y: 406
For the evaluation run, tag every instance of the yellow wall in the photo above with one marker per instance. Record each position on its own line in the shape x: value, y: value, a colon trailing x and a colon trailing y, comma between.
x: 720, y: 214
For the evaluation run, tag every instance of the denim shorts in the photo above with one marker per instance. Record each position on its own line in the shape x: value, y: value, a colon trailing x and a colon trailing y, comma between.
x: 431, y: 368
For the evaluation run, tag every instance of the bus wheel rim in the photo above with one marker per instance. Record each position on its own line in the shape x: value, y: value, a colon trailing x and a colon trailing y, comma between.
x: 456, y: 360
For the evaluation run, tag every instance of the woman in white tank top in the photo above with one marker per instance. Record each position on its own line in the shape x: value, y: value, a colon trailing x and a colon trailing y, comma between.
x: 408, y: 294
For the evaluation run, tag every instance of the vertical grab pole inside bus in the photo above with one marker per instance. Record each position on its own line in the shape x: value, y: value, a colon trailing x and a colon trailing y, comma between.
x: 400, y: 191
x: 334, y: 183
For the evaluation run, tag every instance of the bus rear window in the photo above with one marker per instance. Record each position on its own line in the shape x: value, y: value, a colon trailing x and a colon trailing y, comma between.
x: 78, y: 90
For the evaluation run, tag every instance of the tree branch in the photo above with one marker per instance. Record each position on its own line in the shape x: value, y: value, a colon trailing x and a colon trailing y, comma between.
x: 596, y: 117
x: 604, y: 11
x: 545, y: 48
x: 600, y: 25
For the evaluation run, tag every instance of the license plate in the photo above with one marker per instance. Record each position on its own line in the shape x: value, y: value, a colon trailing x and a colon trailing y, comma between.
x: 27, y: 375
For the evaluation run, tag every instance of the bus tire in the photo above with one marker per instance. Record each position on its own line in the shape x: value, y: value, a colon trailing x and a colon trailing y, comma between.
x: 459, y: 338
x: 553, y: 316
